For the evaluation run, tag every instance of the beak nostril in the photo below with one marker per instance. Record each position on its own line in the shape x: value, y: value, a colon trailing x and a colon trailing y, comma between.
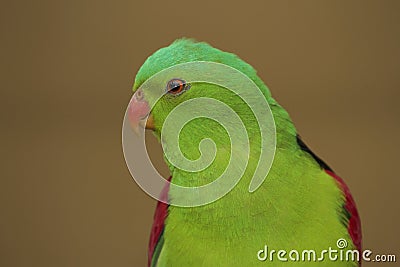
x: 139, y: 95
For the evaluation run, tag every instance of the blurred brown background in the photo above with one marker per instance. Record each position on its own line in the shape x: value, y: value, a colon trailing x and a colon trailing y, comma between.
x: 67, y: 68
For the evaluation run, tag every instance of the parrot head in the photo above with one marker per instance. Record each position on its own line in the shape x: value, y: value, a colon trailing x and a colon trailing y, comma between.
x: 177, y: 90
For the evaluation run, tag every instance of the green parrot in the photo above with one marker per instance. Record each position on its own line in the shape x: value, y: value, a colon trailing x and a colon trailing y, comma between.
x: 301, y: 205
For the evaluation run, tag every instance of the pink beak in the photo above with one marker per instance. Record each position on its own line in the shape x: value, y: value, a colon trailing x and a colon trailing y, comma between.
x: 138, y: 111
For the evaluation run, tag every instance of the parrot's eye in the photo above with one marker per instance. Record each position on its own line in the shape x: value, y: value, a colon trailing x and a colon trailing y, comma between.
x: 177, y: 86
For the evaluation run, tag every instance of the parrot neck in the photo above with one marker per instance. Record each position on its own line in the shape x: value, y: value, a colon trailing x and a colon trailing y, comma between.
x: 286, y: 154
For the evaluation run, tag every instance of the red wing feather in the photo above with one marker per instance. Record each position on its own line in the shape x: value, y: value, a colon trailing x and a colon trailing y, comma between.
x: 354, y: 223
x: 160, y: 215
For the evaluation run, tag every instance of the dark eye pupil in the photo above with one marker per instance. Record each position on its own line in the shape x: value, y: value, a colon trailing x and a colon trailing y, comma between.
x: 175, y: 85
